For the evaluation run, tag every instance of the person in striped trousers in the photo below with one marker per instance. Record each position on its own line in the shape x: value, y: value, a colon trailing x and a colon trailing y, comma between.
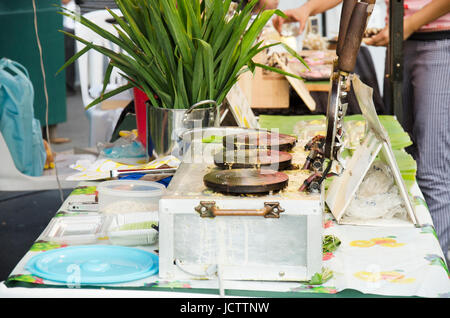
x: 426, y: 95
x: 426, y: 102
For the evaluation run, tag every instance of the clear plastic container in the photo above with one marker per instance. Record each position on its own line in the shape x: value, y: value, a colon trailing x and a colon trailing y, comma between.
x: 124, y: 196
x: 131, y: 229
x: 74, y: 230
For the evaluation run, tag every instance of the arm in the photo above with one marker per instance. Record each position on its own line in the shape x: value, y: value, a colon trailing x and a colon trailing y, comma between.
x: 432, y: 11
x: 302, y: 13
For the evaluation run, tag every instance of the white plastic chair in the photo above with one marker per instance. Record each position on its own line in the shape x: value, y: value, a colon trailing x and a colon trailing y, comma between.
x: 11, y: 179
x: 92, y: 67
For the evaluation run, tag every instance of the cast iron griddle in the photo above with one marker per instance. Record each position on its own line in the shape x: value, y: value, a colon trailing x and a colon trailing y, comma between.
x: 253, y: 158
x: 267, y: 140
x: 246, y: 181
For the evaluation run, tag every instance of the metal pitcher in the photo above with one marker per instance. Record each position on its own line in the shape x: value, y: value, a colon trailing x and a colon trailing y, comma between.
x: 165, y: 126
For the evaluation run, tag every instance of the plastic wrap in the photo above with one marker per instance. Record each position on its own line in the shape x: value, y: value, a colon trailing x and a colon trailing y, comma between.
x: 132, y: 229
x: 377, y: 197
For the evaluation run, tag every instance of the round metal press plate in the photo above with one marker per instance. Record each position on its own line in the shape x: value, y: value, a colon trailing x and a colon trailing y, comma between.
x: 265, y: 140
x: 253, y: 158
x: 246, y: 181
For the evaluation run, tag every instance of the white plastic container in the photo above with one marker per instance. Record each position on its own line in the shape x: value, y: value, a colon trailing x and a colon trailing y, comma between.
x: 131, y: 229
x: 124, y: 196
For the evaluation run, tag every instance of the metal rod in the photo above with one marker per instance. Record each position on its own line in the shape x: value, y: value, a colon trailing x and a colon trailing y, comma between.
x: 395, y: 56
x: 324, y: 24
x: 166, y: 171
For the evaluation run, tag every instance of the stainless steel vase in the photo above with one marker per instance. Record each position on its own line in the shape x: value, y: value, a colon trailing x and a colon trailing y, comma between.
x: 165, y: 125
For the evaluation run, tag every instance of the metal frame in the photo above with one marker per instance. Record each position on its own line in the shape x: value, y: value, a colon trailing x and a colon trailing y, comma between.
x: 395, y: 57
x: 341, y: 191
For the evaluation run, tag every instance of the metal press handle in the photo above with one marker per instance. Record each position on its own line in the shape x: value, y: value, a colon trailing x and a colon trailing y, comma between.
x: 203, y: 102
x: 371, y: 6
x: 353, y: 38
x: 209, y: 209
x: 346, y: 13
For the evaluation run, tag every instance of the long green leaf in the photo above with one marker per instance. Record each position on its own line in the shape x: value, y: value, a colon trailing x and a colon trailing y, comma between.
x: 177, y: 31
x: 209, y: 68
x: 198, y: 76
x: 107, y: 77
x: 183, y: 51
x: 100, y: 31
x: 181, y: 86
x: 277, y: 70
x: 192, y: 9
x: 124, y: 61
x: 110, y: 94
x: 294, y: 53
x: 74, y: 58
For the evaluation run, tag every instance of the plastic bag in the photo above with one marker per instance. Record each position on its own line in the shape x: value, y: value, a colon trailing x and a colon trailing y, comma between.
x: 21, y: 131
x: 377, y: 197
x: 127, y: 149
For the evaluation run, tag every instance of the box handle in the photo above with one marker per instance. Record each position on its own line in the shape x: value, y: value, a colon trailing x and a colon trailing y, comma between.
x: 208, y: 209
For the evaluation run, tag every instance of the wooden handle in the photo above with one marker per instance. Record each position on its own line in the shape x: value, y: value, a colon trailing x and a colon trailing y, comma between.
x: 346, y: 13
x: 353, y: 38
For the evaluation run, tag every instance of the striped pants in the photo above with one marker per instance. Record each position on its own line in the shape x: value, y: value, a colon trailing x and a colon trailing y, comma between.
x: 426, y: 117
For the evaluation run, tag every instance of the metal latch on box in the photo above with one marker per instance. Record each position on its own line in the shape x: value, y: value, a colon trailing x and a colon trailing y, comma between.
x: 208, y: 209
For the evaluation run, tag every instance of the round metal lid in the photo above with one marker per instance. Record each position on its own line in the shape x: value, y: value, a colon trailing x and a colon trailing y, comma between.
x: 265, y: 140
x: 253, y: 158
x: 246, y: 181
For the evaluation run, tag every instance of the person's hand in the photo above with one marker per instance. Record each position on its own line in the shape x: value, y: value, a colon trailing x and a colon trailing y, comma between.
x: 300, y: 15
x: 382, y: 38
x: 379, y: 39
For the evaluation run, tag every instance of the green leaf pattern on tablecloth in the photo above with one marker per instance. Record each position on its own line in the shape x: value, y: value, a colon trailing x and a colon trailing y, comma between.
x: 398, y: 281
x: 26, y: 278
x: 420, y: 201
x: 437, y: 260
x: 85, y: 190
x: 166, y: 284
x: 42, y: 246
x: 429, y: 229
x: 315, y: 289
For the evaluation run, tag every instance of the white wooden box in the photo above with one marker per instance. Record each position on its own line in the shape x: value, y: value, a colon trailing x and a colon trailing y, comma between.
x: 288, y: 248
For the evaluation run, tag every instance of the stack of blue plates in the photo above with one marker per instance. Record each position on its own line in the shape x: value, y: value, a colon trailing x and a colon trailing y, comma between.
x: 94, y: 264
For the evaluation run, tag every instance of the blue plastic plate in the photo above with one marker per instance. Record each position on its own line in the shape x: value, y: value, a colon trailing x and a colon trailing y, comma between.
x: 94, y: 264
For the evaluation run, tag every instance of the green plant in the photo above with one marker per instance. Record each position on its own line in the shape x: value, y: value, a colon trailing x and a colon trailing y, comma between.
x: 330, y: 243
x: 180, y: 52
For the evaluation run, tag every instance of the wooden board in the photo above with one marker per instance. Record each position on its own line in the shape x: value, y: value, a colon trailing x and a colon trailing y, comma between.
x: 114, y: 104
x: 265, y: 89
x: 298, y: 85
x: 240, y: 108
x: 319, y: 86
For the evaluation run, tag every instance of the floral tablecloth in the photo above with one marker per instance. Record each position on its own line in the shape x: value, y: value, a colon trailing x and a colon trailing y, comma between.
x: 389, y: 261
x: 372, y: 260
